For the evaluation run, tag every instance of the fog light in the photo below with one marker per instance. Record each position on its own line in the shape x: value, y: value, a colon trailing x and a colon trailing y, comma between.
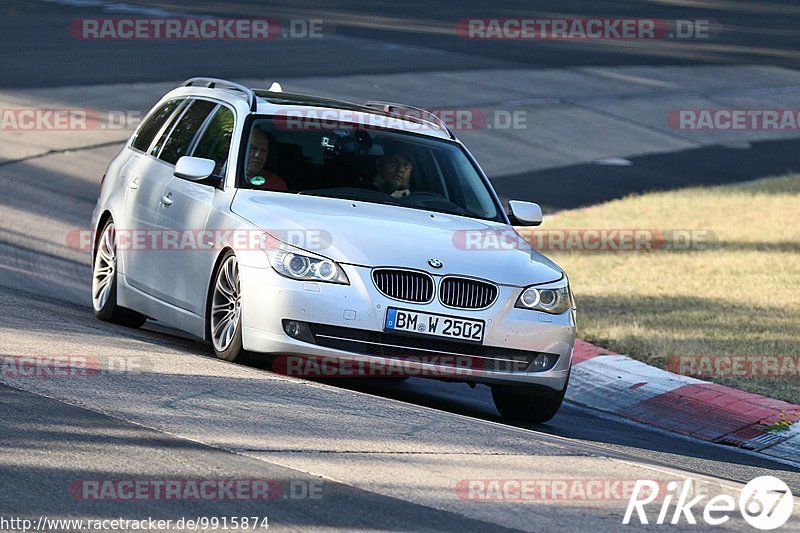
x: 298, y: 330
x: 541, y: 362
x: 293, y: 329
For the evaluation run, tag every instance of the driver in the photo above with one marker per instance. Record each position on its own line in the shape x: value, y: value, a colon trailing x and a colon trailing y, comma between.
x: 394, y: 174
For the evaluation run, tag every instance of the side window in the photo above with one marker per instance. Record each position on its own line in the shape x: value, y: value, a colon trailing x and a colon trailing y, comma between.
x: 148, y: 130
x: 181, y: 136
x: 215, y: 142
x: 168, y: 126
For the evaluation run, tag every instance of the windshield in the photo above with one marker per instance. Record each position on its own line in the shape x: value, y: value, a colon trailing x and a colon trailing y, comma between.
x: 369, y: 165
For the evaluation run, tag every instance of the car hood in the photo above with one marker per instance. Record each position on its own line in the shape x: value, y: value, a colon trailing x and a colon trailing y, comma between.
x: 369, y: 234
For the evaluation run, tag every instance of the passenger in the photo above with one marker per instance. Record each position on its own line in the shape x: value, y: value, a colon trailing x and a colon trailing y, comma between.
x: 257, y: 154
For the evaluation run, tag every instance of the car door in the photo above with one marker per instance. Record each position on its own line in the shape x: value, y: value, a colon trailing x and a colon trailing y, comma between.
x: 184, y: 266
x: 144, y: 183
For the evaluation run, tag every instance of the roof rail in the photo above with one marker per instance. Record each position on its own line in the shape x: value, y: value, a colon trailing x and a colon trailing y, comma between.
x: 398, y: 110
x: 216, y: 83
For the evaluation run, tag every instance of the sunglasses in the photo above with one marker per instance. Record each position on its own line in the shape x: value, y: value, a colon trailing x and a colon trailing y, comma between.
x: 399, y: 162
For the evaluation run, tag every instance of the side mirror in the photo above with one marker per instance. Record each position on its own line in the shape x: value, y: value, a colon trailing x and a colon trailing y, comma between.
x: 194, y: 168
x: 526, y: 213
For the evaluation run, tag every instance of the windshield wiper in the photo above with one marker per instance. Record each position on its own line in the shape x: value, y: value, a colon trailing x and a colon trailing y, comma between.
x: 377, y: 197
x: 457, y: 211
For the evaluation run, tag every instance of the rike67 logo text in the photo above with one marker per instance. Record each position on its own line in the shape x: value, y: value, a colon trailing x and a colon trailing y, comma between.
x: 766, y: 503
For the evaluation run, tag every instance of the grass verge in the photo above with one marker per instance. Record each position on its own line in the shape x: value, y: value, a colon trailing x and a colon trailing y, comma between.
x: 735, y: 295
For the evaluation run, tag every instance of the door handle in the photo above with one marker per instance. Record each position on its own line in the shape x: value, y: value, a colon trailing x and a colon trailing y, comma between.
x: 133, y: 183
x: 167, y: 199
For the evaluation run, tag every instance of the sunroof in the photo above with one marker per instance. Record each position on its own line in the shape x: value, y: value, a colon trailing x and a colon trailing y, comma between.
x: 306, y: 99
x: 318, y: 101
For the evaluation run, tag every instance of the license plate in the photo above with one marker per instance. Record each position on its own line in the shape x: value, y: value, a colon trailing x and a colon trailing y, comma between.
x: 430, y: 324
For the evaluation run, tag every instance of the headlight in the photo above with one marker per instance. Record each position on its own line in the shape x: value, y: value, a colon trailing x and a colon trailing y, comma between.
x: 551, y: 298
x: 295, y: 263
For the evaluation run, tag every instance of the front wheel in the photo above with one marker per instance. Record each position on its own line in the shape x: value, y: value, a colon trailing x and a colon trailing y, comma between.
x: 104, y: 282
x: 225, y: 311
x: 516, y: 405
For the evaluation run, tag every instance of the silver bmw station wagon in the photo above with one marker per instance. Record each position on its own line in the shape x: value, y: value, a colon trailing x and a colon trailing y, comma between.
x: 358, y: 236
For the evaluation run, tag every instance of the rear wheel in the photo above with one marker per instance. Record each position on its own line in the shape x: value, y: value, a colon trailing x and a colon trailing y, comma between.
x: 516, y: 404
x: 104, y: 282
x: 225, y: 311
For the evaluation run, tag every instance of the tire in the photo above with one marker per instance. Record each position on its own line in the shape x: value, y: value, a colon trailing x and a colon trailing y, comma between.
x: 104, y: 282
x: 527, y: 407
x: 225, y: 312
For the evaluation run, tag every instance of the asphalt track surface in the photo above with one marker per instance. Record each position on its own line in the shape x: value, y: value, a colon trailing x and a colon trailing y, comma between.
x: 52, y: 436
x: 48, y: 443
x: 376, y: 37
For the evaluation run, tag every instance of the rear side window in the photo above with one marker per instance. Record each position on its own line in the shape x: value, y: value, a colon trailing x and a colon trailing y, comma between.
x: 215, y: 142
x: 182, y: 135
x: 150, y: 127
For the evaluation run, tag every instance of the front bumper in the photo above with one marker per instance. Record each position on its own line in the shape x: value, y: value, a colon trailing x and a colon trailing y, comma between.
x: 351, y: 319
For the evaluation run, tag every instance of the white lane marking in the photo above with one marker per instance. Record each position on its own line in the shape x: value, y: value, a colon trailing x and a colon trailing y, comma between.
x: 384, y: 45
x: 148, y: 11
x: 627, y: 77
x: 115, y: 7
x: 614, y: 162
